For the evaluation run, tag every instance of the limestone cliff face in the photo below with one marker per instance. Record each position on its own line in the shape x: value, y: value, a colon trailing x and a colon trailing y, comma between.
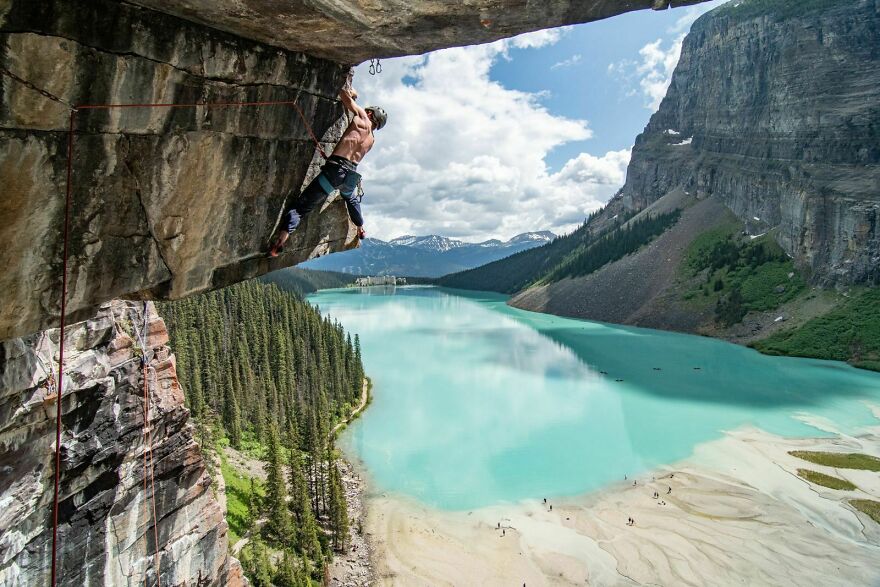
x: 351, y: 31
x: 105, y: 528
x: 775, y: 109
x: 167, y: 201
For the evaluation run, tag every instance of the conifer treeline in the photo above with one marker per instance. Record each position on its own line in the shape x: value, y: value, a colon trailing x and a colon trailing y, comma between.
x: 279, y: 375
x: 583, y: 251
x: 257, y: 355
x: 516, y: 272
x: 615, y: 245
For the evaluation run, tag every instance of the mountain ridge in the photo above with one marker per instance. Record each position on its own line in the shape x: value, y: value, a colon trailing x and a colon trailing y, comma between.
x: 775, y: 182
x: 425, y: 256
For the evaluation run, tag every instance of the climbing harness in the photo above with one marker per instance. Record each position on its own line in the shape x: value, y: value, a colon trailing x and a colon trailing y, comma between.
x: 375, y: 66
x: 58, y: 383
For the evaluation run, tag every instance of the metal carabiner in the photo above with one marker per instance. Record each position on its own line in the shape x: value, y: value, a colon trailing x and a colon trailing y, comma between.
x: 372, y: 67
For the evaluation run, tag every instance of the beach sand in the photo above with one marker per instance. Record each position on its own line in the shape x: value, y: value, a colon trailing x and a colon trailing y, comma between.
x: 737, y: 514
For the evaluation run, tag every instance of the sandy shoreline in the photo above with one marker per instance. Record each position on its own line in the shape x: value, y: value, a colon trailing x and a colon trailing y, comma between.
x: 737, y: 514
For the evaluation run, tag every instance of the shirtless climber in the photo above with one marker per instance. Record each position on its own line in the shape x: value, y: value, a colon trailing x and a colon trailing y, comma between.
x: 340, y: 170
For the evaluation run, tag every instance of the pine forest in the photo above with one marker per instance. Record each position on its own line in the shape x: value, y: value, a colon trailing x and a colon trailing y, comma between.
x: 268, y: 377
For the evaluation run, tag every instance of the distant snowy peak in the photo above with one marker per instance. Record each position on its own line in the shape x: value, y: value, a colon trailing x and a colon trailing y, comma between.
x: 431, y: 242
x: 542, y: 236
x: 441, y: 244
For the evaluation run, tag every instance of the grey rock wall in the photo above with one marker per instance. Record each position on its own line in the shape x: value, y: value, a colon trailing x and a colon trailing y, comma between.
x: 776, y: 106
x: 105, y: 527
x: 351, y: 31
x: 168, y: 201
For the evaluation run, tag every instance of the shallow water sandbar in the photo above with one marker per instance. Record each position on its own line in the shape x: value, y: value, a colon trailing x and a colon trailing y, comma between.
x: 737, y: 514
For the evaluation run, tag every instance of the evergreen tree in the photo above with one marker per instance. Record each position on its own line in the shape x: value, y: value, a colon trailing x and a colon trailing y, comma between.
x: 338, y: 510
x: 255, y: 361
x: 277, y: 513
x: 232, y: 419
x: 301, y: 507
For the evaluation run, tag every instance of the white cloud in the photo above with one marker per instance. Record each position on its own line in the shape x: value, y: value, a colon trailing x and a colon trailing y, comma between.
x: 655, y: 69
x: 537, y: 39
x: 652, y: 72
x: 464, y: 156
x: 573, y: 60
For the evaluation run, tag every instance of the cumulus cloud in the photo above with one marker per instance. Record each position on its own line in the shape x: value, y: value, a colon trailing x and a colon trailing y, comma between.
x: 655, y: 69
x: 573, y: 60
x: 651, y: 74
x: 537, y: 39
x: 464, y: 156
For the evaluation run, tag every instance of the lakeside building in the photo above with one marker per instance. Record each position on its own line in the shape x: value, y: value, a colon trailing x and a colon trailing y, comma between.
x: 379, y: 280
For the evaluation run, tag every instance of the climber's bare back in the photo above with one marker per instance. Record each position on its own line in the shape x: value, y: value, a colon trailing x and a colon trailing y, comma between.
x: 357, y: 140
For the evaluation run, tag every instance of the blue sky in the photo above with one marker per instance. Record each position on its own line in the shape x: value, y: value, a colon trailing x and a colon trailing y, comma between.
x: 581, y: 84
x: 529, y: 133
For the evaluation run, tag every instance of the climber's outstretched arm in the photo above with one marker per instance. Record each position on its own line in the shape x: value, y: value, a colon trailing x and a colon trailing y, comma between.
x: 345, y: 96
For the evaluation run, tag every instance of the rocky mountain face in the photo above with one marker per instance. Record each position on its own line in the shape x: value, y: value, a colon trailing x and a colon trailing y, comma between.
x: 105, y: 531
x: 172, y: 201
x: 351, y: 31
x: 166, y: 201
x: 425, y: 256
x: 774, y: 108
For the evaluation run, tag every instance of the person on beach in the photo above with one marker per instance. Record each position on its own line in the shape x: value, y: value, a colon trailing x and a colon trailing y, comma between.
x: 339, y: 171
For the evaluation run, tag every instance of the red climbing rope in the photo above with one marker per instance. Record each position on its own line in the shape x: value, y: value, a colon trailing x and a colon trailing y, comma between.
x: 148, y: 449
x: 65, y: 256
x: 61, y: 347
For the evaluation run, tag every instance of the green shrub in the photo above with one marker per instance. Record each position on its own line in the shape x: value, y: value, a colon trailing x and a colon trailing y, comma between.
x: 839, y: 460
x: 867, y: 506
x: 825, y: 480
x: 850, y: 332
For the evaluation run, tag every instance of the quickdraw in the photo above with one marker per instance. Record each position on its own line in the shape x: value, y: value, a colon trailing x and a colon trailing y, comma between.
x: 375, y: 67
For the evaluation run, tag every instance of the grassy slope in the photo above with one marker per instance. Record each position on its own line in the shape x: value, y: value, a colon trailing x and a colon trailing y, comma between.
x: 839, y: 460
x: 867, y: 506
x: 825, y: 480
x: 756, y: 283
x: 239, y: 500
x: 850, y: 332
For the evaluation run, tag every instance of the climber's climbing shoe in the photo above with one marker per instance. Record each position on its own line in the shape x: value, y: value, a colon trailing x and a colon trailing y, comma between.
x: 276, y: 249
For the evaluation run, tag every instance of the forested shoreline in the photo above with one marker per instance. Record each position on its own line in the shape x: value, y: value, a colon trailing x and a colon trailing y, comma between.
x: 266, y: 374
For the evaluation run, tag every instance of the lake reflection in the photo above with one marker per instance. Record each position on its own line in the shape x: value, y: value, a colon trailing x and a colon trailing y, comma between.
x: 476, y: 403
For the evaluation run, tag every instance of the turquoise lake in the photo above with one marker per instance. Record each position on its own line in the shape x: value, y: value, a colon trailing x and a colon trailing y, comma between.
x: 476, y: 403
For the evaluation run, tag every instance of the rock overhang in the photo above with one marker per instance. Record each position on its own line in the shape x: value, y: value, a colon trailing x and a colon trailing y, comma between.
x: 171, y: 203
x: 350, y: 31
